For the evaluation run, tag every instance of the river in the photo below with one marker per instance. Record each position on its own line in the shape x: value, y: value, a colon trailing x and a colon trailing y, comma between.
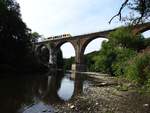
x: 37, y: 93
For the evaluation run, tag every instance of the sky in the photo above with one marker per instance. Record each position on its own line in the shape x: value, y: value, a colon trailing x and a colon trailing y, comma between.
x: 55, y: 17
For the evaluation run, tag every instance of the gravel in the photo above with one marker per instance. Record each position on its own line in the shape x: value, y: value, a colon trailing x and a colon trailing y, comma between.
x: 103, y: 96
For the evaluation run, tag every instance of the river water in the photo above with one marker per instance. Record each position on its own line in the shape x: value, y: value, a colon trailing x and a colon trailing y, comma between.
x: 37, y: 93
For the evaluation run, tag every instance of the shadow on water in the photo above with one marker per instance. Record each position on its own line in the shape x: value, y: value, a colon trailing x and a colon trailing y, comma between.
x: 20, y: 93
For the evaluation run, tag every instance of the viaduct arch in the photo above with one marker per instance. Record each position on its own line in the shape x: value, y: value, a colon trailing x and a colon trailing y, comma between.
x: 80, y: 42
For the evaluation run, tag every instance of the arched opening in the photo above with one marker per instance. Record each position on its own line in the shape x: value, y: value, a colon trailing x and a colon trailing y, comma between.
x: 94, y: 45
x: 68, y: 54
x: 43, y: 53
x: 92, y: 48
x: 146, y: 34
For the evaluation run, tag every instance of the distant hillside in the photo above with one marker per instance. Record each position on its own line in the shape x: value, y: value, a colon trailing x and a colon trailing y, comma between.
x: 92, y: 54
x: 88, y: 60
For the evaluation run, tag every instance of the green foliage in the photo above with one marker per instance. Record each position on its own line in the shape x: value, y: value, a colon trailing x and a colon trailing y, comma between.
x: 115, y: 53
x: 114, y: 60
x: 89, y: 59
x: 105, y: 58
x: 138, y: 69
x: 68, y: 63
x: 123, y: 37
x: 142, y: 7
x: 16, y: 52
x: 122, y: 87
x: 147, y: 42
x: 139, y: 11
x: 35, y: 36
x: 119, y: 57
x: 14, y: 37
x: 147, y: 86
x: 122, y: 56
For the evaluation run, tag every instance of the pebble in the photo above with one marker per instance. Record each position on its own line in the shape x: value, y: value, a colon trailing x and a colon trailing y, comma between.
x: 44, y: 110
x: 72, y: 106
x: 103, y: 100
x: 145, y: 105
x: 56, y: 111
x: 103, y: 83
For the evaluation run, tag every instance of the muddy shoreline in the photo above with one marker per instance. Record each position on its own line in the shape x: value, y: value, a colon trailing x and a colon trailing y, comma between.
x: 107, y: 95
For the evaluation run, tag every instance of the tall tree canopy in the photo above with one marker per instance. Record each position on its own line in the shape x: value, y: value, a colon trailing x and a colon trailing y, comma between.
x: 14, y: 34
x: 140, y: 11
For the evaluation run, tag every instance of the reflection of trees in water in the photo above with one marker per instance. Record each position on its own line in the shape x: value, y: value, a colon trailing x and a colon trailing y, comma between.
x: 55, y: 84
x: 53, y: 87
x: 39, y: 86
x: 14, y: 93
x: 24, y: 91
x: 20, y: 91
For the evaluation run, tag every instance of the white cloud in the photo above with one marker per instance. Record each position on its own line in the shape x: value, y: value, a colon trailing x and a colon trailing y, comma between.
x: 75, y: 16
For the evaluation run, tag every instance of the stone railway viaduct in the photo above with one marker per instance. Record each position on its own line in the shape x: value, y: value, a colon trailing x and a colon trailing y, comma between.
x: 80, y: 42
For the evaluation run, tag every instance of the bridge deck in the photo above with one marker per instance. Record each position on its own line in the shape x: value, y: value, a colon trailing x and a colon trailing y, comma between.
x: 97, y: 34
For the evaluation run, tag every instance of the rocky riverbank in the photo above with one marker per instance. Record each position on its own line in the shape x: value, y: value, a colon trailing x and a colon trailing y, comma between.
x: 107, y: 95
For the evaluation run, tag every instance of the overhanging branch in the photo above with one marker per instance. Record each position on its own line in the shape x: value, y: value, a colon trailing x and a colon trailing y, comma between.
x: 120, y: 10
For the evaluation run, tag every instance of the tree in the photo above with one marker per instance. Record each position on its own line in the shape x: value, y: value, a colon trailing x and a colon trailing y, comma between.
x: 123, y: 37
x: 105, y: 59
x: 15, y: 44
x: 140, y: 11
x: 138, y: 69
x: 121, y: 46
x: 35, y: 36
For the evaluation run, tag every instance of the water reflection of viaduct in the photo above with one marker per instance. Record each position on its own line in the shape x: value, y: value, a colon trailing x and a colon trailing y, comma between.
x: 81, y: 41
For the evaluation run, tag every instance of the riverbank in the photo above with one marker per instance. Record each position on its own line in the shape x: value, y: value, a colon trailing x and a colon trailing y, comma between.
x: 107, y: 95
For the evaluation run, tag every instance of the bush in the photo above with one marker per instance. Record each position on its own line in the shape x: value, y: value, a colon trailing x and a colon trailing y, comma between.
x: 122, y: 56
x: 147, y: 85
x: 105, y: 58
x: 138, y: 69
x: 124, y: 37
x: 90, y: 60
x: 112, y: 60
x: 68, y: 63
x: 147, y: 42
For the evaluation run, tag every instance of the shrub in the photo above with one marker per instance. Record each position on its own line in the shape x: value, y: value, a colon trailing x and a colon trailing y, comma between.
x: 147, y: 42
x: 113, y: 60
x: 138, y: 69
x: 123, y: 55
x: 124, y: 37
x: 148, y: 85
